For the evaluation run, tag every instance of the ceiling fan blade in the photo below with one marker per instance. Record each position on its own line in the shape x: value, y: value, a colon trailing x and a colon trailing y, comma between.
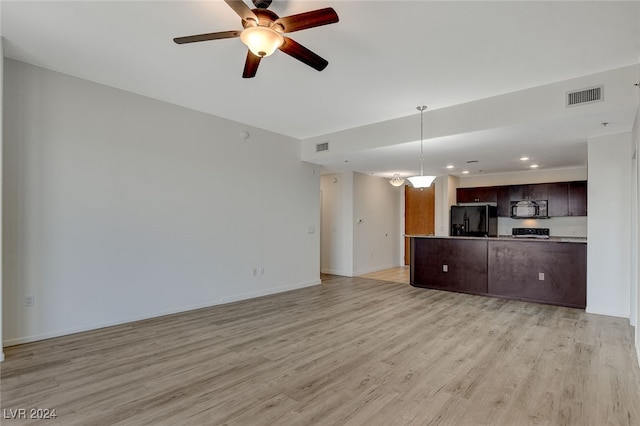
x: 242, y: 10
x: 251, y: 65
x: 208, y: 36
x: 301, y: 53
x: 305, y: 20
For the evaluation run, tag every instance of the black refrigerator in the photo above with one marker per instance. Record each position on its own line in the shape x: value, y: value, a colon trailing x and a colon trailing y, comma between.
x: 474, y: 221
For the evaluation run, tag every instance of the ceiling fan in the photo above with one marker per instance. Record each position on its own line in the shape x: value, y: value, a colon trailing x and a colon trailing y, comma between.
x: 263, y: 33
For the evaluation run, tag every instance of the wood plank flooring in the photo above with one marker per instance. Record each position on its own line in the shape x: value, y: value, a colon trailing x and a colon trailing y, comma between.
x: 352, y: 351
x: 401, y: 274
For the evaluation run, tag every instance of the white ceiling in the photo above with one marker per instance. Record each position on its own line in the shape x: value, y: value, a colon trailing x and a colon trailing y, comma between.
x: 385, y: 58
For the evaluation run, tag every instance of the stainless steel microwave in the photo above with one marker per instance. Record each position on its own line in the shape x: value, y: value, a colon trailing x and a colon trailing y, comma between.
x: 528, y: 209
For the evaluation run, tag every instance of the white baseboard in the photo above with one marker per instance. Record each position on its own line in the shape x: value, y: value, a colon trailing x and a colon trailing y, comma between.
x: 96, y: 326
x: 336, y: 272
x: 376, y: 269
x: 608, y: 313
x: 254, y: 294
x: 361, y: 271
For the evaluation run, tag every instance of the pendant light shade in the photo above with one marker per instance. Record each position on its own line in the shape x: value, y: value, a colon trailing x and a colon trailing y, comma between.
x: 421, y: 181
x: 396, y: 180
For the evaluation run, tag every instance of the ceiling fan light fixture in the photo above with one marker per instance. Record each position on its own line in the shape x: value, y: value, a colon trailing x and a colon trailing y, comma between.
x: 262, y: 41
x: 396, y: 180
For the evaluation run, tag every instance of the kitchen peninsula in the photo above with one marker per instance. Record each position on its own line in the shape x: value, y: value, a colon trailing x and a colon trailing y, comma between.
x: 552, y: 271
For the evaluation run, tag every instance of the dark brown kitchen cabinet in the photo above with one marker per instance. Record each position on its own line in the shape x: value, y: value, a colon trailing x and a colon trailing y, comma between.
x: 553, y: 272
x: 558, y: 196
x: 449, y: 264
x: 547, y: 272
x: 577, y: 198
x: 485, y: 194
x: 565, y: 198
x: 528, y: 192
x: 504, y: 205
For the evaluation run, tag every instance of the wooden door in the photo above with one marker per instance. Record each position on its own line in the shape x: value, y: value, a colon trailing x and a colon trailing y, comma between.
x: 418, y: 214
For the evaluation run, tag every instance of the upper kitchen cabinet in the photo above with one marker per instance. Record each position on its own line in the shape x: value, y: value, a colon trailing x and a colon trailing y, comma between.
x: 504, y: 199
x: 558, y: 196
x: 528, y: 192
x: 486, y: 194
x: 577, y: 198
x: 565, y: 198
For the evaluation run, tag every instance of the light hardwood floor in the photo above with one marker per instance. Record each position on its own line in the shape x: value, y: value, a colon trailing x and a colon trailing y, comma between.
x: 395, y: 275
x: 351, y: 351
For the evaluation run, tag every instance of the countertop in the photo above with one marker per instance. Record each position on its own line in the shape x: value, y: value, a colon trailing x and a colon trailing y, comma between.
x: 506, y: 238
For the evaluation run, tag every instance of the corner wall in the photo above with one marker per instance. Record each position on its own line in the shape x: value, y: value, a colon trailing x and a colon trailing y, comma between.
x: 445, y: 197
x: 376, y: 240
x: 1, y: 173
x: 118, y: 207
x: 336, y: 241
x: 633, y: 231
x: 361, y: 231
x: 609, y: 239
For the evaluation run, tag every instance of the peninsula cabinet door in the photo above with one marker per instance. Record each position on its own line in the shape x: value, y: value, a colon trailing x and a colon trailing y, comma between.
x: 547, y: 272
x: 449, y: 264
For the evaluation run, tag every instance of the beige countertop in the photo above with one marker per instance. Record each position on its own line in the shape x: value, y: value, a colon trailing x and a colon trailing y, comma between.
x: 506, y: 238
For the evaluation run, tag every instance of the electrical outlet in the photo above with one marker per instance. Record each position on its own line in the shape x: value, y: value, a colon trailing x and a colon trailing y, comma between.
x: 540, y: 276
x: 29, y: 300
x: 254, y: 272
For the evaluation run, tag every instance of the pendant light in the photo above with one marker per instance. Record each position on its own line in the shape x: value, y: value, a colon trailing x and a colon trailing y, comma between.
x: 421, y: 181
x: 396, y: 180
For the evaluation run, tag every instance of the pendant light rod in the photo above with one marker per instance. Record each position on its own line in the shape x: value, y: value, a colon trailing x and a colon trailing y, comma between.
x: 421, y: 108
x: 421, y: 181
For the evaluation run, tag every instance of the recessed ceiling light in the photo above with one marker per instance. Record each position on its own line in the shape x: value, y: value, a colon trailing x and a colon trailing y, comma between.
x: 450, y: 166
x: 524, y: 158
x: 534, y: 166
x: 465, y: 172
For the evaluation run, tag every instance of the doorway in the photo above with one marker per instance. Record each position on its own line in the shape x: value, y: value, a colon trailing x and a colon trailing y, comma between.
x: 419, y: 214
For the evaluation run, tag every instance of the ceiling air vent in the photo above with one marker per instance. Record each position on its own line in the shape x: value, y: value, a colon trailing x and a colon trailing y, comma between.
x: 324, y: 146
x: 585, y: 96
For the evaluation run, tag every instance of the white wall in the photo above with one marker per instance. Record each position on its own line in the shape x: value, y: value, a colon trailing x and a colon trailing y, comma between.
x: 635, y: 235
x: 377, y: 244
x: 361, y: 224
x: 633, y: 227
x: 445, y: 197
x: 120, y: 207
x: 525, y: 177
x: 337, y: 224
x: 569, y: 226
x: 1, y: 173
x: 636, y: 260
x: 608, y: 253
x: 537, y: 104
